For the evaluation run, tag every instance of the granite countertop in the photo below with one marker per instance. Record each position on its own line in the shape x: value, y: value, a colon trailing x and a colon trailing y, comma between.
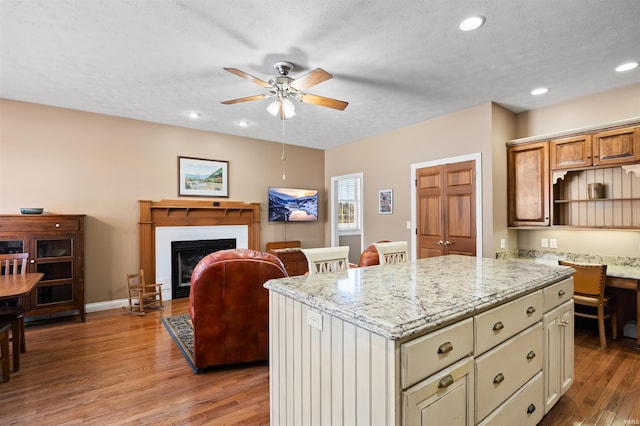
x: 397, y: 301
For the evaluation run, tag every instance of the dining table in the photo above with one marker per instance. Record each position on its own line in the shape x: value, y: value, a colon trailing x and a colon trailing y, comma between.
x: 16, y: 286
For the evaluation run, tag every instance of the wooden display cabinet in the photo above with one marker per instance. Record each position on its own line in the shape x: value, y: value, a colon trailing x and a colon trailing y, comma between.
x: 55, y: 244
x: 294, y: 261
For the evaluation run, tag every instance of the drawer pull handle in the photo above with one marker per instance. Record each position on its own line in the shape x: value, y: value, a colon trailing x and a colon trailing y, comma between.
x: 531, y: 408
x: 561, y: 293
x: 498, y: 326
x: 531, y: 355
x: 445, y: 381
x: 499, y: 378
x: 445, y: 348
x: 531, y: 310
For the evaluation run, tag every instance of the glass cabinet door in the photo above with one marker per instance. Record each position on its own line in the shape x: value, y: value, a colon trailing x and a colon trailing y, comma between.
x: 54, y: 258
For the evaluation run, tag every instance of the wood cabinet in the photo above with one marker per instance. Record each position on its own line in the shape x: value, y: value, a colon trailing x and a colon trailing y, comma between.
x: 607, y: 148
x: 55, y: 244
x: 528, y: 187
x: 294, y: 261
x: 558, y: 194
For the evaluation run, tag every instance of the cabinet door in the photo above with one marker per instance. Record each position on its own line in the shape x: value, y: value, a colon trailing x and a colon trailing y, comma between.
x: 571, y: 152
x: 528, y: 186
x: 618, y: 146
x: 558, y: 349
x: 445, y: 398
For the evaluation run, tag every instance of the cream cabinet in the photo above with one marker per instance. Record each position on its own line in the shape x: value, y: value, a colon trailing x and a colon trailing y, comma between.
x: 443, y: 399
x: 489, y: 368
x: 558, y: 322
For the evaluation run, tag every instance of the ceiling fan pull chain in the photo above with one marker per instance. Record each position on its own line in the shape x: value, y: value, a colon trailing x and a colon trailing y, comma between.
x: 283, y: 158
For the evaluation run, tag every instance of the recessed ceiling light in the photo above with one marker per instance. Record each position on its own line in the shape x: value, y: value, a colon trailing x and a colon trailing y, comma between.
x: 244, y: 123
x: 194, y: 115
x: 539, y: 91
x: 626, y: 67
x: 471, y: 23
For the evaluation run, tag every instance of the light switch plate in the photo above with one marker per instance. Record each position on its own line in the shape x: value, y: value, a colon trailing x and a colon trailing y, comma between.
x: 553, y: 243
x: 544, y: 242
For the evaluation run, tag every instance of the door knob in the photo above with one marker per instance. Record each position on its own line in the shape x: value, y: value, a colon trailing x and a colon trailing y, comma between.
x: 440, y: 243
x: 448, y: 243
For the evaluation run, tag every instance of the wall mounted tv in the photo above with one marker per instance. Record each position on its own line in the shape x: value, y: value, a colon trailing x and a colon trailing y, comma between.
x: 293, y: 205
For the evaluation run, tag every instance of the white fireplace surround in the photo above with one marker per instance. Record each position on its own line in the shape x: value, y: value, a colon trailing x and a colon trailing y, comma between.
x: 167, y: 234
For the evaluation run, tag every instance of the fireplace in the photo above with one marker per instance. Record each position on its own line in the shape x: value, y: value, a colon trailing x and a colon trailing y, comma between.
x: 162, y: 222
x: 185, y: 255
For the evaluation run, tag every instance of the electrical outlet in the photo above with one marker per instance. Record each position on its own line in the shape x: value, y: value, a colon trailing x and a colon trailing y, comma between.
x: 502, y: 243
x: 544, y: 242
x: 553, y: 243
x: 314, y: 319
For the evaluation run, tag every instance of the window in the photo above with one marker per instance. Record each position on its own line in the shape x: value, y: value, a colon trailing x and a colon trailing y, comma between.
x: 349, y: 205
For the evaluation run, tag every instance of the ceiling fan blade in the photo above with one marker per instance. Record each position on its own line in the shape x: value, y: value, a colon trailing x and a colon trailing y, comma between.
x: 249, y: 77
x: 310, y: 79
x: 248, y: 98
x: 322, y: 101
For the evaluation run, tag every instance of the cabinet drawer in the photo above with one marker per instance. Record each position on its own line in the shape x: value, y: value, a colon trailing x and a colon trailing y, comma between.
x: 524, y: 408
x: 557, y: 294
x: 497, y: 325
x: 40, y: 225
x: 443, y: 399
x: 503, y: 370
x: 425, y: 355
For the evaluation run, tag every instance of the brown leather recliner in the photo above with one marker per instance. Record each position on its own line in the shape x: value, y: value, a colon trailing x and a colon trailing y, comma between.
x: 229, y: 306
x: 369, y: 256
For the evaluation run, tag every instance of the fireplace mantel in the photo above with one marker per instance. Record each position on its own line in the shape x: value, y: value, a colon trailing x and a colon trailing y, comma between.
x: 192, y: 213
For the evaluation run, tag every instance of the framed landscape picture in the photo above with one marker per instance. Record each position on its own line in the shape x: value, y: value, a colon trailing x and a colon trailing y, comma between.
x: 203, y: 178
x: 385, y: 201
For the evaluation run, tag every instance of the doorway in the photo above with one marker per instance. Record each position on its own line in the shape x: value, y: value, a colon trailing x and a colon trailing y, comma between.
x: 446, y: 206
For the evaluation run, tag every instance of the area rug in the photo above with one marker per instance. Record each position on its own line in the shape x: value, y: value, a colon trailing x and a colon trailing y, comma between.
x: 180, y: 329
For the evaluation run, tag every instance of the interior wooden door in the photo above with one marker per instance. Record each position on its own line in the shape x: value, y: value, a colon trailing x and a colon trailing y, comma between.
x: 446, y: 210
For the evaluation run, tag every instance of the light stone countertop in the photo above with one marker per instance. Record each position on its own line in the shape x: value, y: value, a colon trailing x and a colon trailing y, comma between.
x: 397, y: 301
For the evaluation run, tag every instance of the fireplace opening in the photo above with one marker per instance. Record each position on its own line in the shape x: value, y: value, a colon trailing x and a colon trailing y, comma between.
x: 185, y: 255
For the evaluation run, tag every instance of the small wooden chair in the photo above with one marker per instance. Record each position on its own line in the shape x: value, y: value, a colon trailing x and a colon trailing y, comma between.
x: 588, y: 290
x: 14, y: 264
x: 327, y: 259
x: 4, y: 350
x: 392, y: 252
x: 141, y: 295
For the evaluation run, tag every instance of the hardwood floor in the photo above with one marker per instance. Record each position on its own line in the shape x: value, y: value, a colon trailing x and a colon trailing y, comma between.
x: 119, y: 369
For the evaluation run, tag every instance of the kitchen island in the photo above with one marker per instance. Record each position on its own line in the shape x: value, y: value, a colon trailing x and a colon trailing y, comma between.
x: 415, y: 343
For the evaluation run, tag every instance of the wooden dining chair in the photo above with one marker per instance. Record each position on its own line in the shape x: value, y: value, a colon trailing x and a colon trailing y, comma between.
x: 14, y: 264
x: 4, y: 350
x: 392, y: 252
x: 142, y: 296
x: 589, y: 295
x: 327, y: 259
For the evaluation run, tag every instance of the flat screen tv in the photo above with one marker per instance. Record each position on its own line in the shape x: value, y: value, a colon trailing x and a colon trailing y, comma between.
x: 293, y: 205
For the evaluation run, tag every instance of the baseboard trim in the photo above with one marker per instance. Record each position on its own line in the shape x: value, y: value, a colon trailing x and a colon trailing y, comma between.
x: 105, y: 306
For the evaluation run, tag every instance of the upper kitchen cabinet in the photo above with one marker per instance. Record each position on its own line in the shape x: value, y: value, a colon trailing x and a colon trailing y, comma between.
x: 613, y: 147
x: 569, y: 153
x: 528, y: 187
x: 591, y: 180
x: 606, y: 148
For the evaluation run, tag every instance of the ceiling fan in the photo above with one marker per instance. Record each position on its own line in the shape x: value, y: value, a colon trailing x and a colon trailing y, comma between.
x: 284, y: 88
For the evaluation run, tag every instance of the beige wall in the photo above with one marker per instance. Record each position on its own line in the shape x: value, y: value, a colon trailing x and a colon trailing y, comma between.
x: 385, y: 161
x: 611, y: 106
x: 75, y: 162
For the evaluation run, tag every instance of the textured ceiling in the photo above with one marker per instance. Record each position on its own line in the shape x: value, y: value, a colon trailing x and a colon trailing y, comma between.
x: 396, y: 63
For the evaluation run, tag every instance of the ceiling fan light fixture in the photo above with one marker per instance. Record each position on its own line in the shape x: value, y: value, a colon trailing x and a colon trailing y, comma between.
x: 283, y: 108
